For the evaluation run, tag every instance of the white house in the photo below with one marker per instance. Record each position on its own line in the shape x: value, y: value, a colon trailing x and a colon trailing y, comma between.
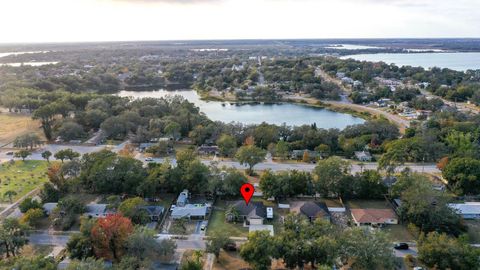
x: 468, y: 210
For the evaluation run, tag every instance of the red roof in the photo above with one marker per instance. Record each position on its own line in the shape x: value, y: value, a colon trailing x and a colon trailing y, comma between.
x: 373, y: 215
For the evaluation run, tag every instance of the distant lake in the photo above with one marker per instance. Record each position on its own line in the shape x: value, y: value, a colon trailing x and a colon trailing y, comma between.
x: 18, y: 53
x: 34, y: 64
x: 455, y: 61
x: 291, y: 114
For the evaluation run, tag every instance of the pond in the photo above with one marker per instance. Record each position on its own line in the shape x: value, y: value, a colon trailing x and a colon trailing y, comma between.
x: 290, y: 114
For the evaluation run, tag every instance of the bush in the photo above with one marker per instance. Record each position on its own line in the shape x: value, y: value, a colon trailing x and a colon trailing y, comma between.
x: 28, y: 204
x: 33, y: 217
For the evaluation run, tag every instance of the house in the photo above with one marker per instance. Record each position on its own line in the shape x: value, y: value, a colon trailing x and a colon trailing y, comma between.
x: 389, y: 181
x: 315, y: 210
x: 49, y: 207
x: 208, y: 150
x: 183, y: 209
x: 153, y: 211
x: 468, y: 210
x: 252, y: 214
x: 95, y: 210
x: 373, y: 217
x: 347, y: 80
x: 363, y: 156
x: 191, y: 211
x: 357, y: 83
x: 341, y: 75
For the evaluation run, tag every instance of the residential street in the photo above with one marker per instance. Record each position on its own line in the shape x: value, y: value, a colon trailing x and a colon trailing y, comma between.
x: 274, y: 166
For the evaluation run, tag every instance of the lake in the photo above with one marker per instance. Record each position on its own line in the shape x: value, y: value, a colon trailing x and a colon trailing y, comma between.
x: 291, y: 114
x: 455, y: 61
x: 34, y: 64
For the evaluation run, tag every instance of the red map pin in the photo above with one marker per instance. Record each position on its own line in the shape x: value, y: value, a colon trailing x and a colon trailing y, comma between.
x: 247, y: 191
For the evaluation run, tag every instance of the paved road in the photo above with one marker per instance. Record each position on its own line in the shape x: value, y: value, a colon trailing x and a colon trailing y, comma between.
x: 274, y: 166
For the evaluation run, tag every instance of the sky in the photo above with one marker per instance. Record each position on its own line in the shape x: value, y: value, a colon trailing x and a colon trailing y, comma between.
x: 122, y: 20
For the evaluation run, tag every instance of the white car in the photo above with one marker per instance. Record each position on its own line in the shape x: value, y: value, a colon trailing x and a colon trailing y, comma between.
x: 149, y: 159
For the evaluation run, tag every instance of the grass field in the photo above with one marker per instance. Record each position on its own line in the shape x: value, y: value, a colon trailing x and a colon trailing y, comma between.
x: 15, y: 125
x: 21, y: 177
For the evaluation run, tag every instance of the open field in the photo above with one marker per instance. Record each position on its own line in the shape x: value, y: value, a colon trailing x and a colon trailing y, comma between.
x: 14, y: 125
x: 21, y: 177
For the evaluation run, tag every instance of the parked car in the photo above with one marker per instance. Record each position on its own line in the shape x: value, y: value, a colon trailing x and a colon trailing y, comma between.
x: 203, y: 227
x: 149, y: 159
x: 9, y: 153
x: 401, y: 246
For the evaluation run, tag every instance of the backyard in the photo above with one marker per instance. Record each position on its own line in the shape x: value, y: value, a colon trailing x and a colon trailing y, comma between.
x: 21, y: 177
x: 218, y: 224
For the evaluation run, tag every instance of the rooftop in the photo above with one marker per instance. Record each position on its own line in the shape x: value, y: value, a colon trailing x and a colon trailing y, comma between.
x: 370, y: 215
x: 466, y: 208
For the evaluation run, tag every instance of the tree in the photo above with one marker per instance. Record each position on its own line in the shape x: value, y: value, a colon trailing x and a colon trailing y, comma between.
x: 23, y: 154
x: 257, y: 251
x: 217, y: 242
x: 439, y: 251
x: 427, y: 208
x: 143, y: 245
x: 194, y: 262
x: 232, y: 182
x: 282, y: 149
x: 69, y: 130
x: 330, y: 176
x: 80, y: 245
x: 13, y: 236
x: 66, y: 154
x: 10, y: 194
x: 28, y: 140
x: 173, y: 129
x: 366, y: 249
x: 110, y: 235
x: 369, y: 185
x: 250, y: 155
x: 227, y: 145
x: 46, y: 155
x: 87, y: 264
x: 49, y: 193
x: 130, y: 208
x: 28, y: 204
x: 463, y: 175
x: 34, y: 263
x: 46, y: 114
x: 33, y: 216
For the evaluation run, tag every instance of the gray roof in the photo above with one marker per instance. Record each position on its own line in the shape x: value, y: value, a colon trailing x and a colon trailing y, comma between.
x: 95, y: 209
x: 182, y: 197
x: 190, y: 210
x: 48, y: 207
x: 314, y: 209
x: 153, y: 210
x: 252, y: 210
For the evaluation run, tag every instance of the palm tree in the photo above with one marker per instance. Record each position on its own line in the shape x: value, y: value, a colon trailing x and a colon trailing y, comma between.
x: 10, y: 194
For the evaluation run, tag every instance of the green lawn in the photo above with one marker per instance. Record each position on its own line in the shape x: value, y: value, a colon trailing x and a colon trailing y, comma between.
x: 375, y: 204
x: 218, y: 224
x: 398, y: 233
x: 21, y: 177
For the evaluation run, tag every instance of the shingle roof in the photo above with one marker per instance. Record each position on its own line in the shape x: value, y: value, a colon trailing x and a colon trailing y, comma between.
x: 252, y: 210
x: 314, y: 209
x: 372, y: 215
x: 190, y: 210
x: 153, y: 210
x: 468, y: 208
